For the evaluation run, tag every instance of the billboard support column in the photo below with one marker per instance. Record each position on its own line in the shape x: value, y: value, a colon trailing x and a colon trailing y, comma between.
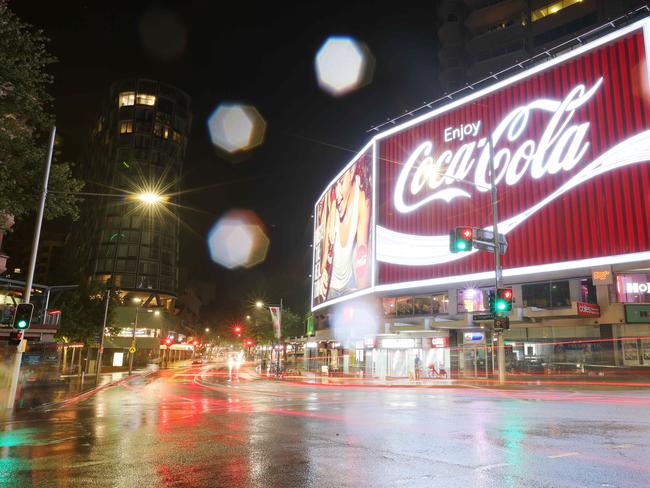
x: 501, y: 354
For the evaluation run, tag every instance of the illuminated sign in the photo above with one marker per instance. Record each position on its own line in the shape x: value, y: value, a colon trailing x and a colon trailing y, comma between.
x: 390, y: 343
x: 635, y: 287
x: 473, y: 336
x: 588, y: 309
x: 602, y: 276
x: 342, y: 253
x: 440, y: 342
x: 570, y: 142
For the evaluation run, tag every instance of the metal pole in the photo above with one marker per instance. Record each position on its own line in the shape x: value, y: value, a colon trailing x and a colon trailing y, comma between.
x: 39, y: 221
x: 501, y: 355
x: 100, y: 353
x: 27, y: 294
x: 131, y: 354
x: 277, y: 352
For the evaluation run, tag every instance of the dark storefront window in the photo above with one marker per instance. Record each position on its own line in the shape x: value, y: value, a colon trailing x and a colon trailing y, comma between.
x: 416, y: 305
x: 550, y: 294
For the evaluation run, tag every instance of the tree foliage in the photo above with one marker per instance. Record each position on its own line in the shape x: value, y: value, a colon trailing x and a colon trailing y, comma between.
x: 82, y: 313
x: 25, y: 123
x: 260, y: 327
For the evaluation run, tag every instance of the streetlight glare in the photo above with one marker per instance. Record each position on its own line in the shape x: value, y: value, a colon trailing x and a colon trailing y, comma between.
x: 207, y: 329
x: 259, y: 304
x: 149, y: 198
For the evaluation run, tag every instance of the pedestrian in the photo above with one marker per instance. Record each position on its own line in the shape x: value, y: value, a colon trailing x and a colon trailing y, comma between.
x: 417, y: 367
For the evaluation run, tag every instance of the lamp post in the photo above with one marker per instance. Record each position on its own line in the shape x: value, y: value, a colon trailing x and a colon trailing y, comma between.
x: 277, y: 332
x: 135, y: 324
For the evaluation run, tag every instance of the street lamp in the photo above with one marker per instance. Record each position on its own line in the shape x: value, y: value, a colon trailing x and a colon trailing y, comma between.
x: 149, y: 198
x: 277, y: 329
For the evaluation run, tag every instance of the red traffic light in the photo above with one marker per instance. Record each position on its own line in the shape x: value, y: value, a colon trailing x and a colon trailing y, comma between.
x: 466, y: 233
x: 237, y: 329
x: 249, y: 342
x: 168, y: 341
x: 196, y: 343
x: 507, y: 294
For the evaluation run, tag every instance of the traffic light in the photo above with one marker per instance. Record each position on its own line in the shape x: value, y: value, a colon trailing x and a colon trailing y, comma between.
x: 23, y: 316
x: 460, y: 239
x: 249, y: 343
x: 503, y: 300
x: 15, y: 337
x: 237, y: 329
x: 168, y: 341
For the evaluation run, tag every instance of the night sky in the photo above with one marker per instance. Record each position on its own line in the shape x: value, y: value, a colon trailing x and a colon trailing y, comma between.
x: 260, y: 53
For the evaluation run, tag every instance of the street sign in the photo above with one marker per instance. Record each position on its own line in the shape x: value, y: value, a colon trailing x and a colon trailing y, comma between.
x: 501, y: 323
x: 132, y: 349
x: 484, y: 240
x: 484, y: 316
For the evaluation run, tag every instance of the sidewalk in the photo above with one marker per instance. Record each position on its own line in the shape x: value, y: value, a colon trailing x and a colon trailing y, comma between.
x: 38, y: 395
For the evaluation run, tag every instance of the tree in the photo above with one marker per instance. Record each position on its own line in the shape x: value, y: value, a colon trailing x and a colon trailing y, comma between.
x: 25, y: 123
x: 260, y: 327
x: 82, y: 313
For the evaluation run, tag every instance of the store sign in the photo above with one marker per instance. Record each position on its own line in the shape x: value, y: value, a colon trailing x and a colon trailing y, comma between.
x: 390, y: 343
x: 570, y: 140
x: 473, y: 337
x: 602, y: 276
x: 588, y: 309
x: 634, y: 287
x: 440, y: 342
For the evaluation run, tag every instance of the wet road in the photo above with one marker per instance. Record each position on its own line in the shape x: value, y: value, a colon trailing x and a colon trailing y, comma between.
x: 193, y: 427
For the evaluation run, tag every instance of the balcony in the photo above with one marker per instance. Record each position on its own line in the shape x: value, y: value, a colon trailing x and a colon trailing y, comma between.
x: 482, y: 19
x: 498, y: 37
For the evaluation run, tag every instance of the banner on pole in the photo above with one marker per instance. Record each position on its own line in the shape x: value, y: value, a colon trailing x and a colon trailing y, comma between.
x: 276, y: 318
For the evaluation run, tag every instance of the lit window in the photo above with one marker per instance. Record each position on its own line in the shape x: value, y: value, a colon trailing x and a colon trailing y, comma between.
x: 165, y: 132
x: 552, y: 8
x: 145, y: 99
x: 126, y: 126
x: 126, y: 98
x: 177, y: 136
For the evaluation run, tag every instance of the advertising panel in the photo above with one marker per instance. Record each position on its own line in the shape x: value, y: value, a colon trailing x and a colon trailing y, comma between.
x: 342, y: 233
x: 570, y: 142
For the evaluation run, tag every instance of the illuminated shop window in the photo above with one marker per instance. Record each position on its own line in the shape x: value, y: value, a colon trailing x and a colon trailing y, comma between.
x: 552, y: 8
x: 126, y: 126
x: 126, y: 99
x: 633, y: 288
x: 473, y: 300
x: 145, y: 99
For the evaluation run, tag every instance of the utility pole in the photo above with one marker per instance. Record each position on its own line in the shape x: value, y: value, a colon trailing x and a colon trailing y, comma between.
x: 27, y: 294
x: 501, y: 354
x: 100, y: 353
x: 132, y: 348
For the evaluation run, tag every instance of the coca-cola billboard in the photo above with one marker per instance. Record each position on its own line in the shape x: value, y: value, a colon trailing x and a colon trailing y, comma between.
x: 570, y: 141
x: 571, y: 147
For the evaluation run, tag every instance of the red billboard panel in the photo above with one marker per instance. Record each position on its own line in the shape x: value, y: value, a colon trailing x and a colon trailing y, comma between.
x: 342, y: 233
x: 571, y: 150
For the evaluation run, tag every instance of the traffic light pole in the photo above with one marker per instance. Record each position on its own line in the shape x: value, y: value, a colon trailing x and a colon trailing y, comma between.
x: 27, y: 294
x: 100, y: 352
x: 501, y: 353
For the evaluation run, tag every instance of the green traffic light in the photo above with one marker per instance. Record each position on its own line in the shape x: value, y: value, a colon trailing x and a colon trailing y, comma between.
x: 22, y: 324
x: 461, y: 245
x: 501, y: 305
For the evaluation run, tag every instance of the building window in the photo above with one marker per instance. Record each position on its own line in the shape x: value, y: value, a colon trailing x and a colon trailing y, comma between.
x: 588, y: 291
x: 633, y: 288
x: 552, y: 8
x: 126, y: 126
x: 440, y: 303
x: 389, y: 307
x: 126, y: 99
x: 550, y: 294
x: 177, y: 137
x: 473, y: 300
x: 145, y: 99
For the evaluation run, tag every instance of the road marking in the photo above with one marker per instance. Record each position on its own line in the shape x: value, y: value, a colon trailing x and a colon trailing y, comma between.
x: 621, y: 446
x: 492, y: 466
x: 564, y: 454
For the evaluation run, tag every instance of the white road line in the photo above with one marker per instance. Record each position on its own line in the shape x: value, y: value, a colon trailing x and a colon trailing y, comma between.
x: 564, y: 454
x: 492, y: 466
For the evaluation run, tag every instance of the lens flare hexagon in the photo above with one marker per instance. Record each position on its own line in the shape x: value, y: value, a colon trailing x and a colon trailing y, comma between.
x: 342, y: 65
x: 238, y: 240
x: 235, y: 127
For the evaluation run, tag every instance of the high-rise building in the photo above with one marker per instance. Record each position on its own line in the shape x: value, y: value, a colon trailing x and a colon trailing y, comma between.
x: 482, y: 37
x: 136, y: 148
